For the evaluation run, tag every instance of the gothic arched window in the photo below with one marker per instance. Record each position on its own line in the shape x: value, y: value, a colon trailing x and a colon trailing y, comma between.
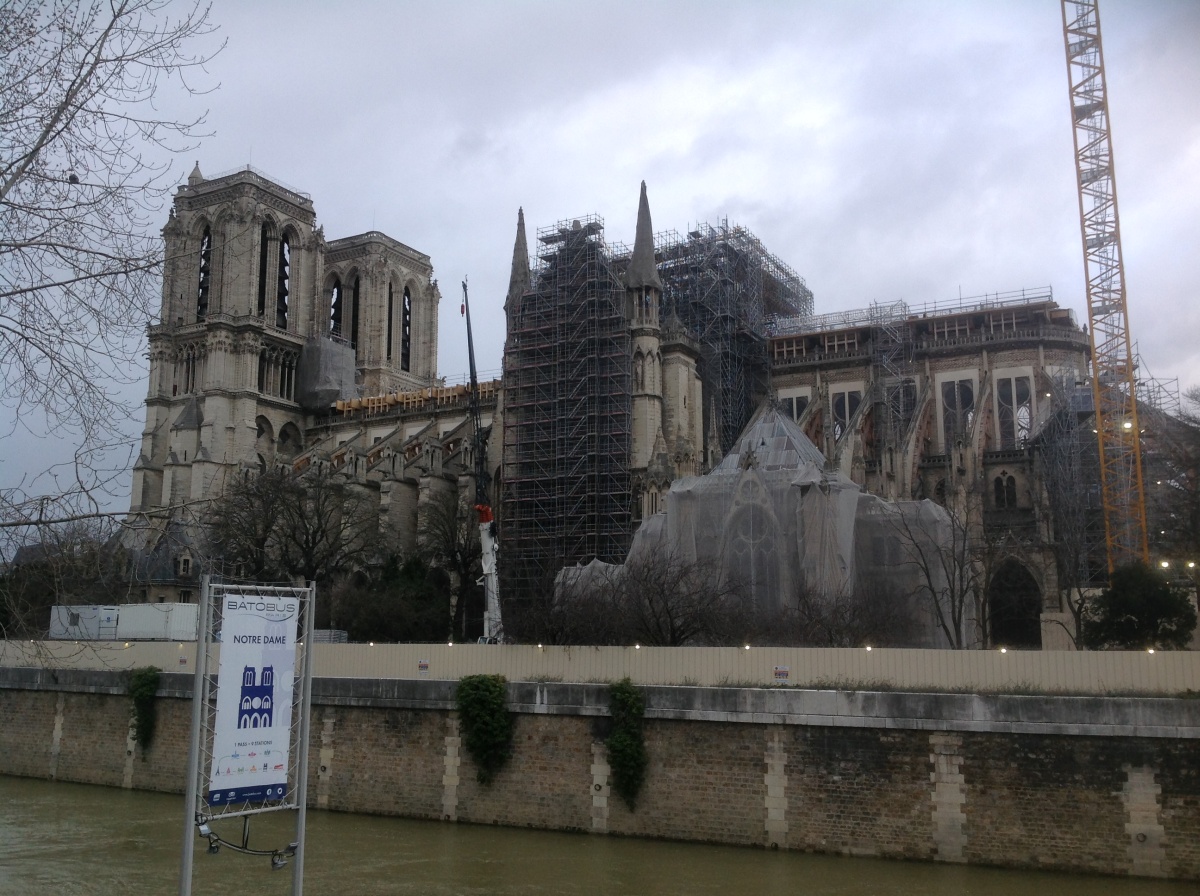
x: 406, y: 332
x: 264, y: 249
x: 205, y: 279
x: 388, y: 346
x: 283, y: 282
x: 335, y: 307
x: 354, y: 305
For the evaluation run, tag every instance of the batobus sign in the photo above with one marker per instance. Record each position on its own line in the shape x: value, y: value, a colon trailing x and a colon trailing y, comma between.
x: 251, y: 733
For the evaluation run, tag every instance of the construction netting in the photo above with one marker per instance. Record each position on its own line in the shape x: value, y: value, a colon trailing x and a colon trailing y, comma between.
x: 781, y: 525
x: 325, y: 374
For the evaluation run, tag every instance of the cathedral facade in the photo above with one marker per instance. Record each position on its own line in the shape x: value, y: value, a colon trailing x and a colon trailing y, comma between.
x: 263, y: 320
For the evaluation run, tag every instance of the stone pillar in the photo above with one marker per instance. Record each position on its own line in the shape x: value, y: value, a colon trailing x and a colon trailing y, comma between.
x: 1143, y: 825
x: 56, y: 737
x: 600, y: 788
x: 325, y: 757
x: 948, y: 796
x: 451, y: 761
x: 776, y: 826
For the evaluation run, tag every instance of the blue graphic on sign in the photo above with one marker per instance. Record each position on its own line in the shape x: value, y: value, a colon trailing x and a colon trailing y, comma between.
x: 254, y: 708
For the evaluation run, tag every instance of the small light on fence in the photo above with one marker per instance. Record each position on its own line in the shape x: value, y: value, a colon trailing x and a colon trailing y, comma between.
x: 747, y: 646
x: 126, y: 643
x: 1004, y: 650
x: 637, y: 646
x: 449, y: 643
x: 868, y: 647
x: 1165, y: 564
x: 1151, y: 650
x: 539, y: 647
x: 371, y: 643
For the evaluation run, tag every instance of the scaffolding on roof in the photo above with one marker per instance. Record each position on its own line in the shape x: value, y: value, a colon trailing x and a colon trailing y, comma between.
x: 792, y: 324
x: 894, y: 386
x: 723, y: 285
x: 567, y: 412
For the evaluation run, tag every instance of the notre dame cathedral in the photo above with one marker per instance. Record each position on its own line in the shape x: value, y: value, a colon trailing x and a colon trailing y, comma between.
x: 624, y: 370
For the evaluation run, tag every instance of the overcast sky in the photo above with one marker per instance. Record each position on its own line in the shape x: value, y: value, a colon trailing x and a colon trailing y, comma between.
x: 885, y: 151
x: 909, y: 150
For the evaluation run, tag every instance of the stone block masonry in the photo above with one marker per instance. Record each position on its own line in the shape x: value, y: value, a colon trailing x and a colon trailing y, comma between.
x: 1102, y: 784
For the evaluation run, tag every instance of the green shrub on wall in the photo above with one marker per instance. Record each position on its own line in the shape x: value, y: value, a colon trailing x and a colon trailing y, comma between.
x: 486, y: 724
x: 143, y: 685
x: 625, y: 745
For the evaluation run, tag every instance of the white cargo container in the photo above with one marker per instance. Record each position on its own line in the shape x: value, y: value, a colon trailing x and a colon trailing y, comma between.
x: 157, y: 622
x: 84, y: 623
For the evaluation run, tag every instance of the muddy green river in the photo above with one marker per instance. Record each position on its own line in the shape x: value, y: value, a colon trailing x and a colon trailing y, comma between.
x: 68, y: 839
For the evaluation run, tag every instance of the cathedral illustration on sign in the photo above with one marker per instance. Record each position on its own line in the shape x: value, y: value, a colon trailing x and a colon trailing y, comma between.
x: 254, y: 709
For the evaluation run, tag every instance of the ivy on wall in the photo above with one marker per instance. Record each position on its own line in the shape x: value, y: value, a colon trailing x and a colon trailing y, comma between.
x: 625, y: 744
x: 486, y: 723
x: 143, y: 685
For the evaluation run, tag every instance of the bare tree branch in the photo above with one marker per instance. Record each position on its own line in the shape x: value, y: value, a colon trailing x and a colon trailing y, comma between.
x: 85, y: 171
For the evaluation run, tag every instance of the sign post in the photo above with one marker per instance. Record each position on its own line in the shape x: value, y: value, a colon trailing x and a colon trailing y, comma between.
x: 249, y: 749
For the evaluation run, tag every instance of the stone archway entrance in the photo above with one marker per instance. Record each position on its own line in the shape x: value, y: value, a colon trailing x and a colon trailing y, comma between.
x: 1014, y: 603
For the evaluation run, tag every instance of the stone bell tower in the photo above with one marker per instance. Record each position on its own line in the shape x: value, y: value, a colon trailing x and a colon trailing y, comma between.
x: 242, y: 261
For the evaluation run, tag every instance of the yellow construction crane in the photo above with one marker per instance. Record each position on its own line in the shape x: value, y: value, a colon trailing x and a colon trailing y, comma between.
x: 1113, y: 384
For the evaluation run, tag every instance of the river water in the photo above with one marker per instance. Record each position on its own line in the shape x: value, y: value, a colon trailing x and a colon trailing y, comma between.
x: 74, y: 839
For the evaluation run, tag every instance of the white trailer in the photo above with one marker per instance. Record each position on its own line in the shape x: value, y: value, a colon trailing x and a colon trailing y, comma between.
x: 157, y: 622
x: 85, y: 622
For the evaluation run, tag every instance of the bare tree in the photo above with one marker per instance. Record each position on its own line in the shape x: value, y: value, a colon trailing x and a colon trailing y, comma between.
x: 84, y: 171
x: 448, y: 536
x: 1171, y: 460
x: 875, y: 613
x: 937, y: 547
x: 70, y: 563
x: 1068, y: 455
x: 670, y: 601
x: 314, y: 526
x: 655, y: 599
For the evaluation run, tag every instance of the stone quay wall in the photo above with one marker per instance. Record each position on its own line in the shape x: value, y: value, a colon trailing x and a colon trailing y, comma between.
x: 1098, y: 784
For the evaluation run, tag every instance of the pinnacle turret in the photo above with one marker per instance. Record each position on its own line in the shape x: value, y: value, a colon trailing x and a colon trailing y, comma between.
x: 518, y: 281
x: 643, y: 271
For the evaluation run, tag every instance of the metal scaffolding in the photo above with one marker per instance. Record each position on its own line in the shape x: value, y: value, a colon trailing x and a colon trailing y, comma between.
x: 567, y: 412
x: 724, y: 285
x: 894, y: 385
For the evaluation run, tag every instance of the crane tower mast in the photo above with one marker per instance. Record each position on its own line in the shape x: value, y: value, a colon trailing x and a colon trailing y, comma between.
x: 1113, y: 384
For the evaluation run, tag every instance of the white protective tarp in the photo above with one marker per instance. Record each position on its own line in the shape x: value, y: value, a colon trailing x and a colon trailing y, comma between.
x: 781, y: 524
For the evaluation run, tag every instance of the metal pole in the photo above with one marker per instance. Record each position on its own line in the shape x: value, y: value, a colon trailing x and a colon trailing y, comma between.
x: 199, y: 699
x: 302, y: 747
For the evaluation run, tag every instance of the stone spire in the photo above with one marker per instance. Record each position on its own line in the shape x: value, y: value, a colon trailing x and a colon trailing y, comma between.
x: 195, y: 177
x: 643, y: 272
x: 518, y: 281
